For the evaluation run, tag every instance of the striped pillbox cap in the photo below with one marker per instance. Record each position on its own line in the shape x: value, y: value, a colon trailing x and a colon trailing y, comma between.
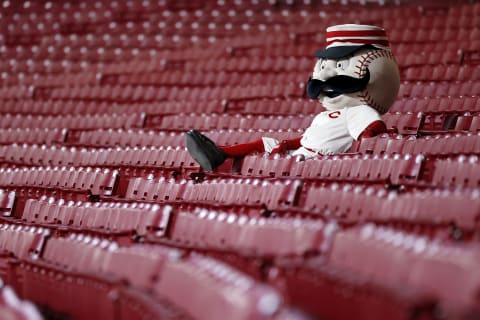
x: 343, y: 40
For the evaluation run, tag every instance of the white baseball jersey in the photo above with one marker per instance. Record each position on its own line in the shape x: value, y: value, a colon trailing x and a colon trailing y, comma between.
x: 333, y: 132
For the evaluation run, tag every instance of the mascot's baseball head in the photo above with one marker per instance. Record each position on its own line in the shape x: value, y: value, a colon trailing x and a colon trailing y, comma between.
x: 356, y: 68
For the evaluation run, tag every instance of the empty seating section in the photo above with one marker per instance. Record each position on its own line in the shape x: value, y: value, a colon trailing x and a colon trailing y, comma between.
x: 396, y: 169
x: 130, y: 137
x: 35, y: 135
x: 22, y: 241
x: 440, y: 144
x: 80, y: 107
x: 273, y: 195
x: 71, y: 122
x: 105, y: 215
x: 7, y: 202
x: 414, y: 260
x: 460, y: 171
x: 38, y: 155
x: 251, y: 235
x: 354, y: 203
x: 96, y: 181
x: 437, y: 104
x: 203, y: 122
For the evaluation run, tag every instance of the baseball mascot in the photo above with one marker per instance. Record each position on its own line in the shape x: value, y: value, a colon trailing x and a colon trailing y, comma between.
x: 356, y: 79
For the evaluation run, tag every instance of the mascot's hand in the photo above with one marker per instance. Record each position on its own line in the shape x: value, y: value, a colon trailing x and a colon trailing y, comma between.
x: 286, y: 145
x: 282, y: 147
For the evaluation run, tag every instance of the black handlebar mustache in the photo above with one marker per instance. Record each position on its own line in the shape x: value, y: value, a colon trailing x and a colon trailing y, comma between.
x: 336, y: 86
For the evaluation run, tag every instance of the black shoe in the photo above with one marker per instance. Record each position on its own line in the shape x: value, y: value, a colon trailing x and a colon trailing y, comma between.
x: 204, y: 151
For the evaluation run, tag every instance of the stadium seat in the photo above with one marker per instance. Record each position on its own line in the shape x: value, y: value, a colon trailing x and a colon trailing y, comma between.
x: 7, y: 202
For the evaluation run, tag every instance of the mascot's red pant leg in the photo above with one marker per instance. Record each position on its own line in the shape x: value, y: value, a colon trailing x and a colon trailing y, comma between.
x: 244, y: 149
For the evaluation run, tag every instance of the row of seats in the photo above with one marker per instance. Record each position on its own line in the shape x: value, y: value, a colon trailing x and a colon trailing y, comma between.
x: 359, y: 203
x: 222, y: 9
x: 272, y: 194
x: 151, y: 93
x: 282, y: 106
x: 94, y: 121
x: 252, y: 107
x: 250, y: 236
x: 440, y: 144
x: 139, y: 93
x: 462, y: 171
x: 404, y: 123
x: 396, y: 169
x: 36, y: 135
x: 80, y: 107
x: 447, y: 63
x: 110, y: 217
x: 436, y: 104
x: 95, y: 180
x: 196, y: 27
x: 223, y: 77
x: 249, y: 64
x: 220, y: 15
x: 42, y: 155
x: 20, y: 68
x: 205, y: 122
x: 407, y: 54
x: 441, y: 73
x: 21, y: 241
x: 442, y: 89
x: 77, y: 77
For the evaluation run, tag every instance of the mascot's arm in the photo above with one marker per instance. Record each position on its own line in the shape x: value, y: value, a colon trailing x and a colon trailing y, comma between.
x: 285, y: 145
x: 375, y: 128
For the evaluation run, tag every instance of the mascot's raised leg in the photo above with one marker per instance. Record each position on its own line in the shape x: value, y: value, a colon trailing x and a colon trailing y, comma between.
x: 204, y: 151
x: 210, y: 156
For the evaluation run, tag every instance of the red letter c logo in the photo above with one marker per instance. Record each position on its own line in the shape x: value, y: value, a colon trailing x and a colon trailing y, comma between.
x: 334, y: 114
